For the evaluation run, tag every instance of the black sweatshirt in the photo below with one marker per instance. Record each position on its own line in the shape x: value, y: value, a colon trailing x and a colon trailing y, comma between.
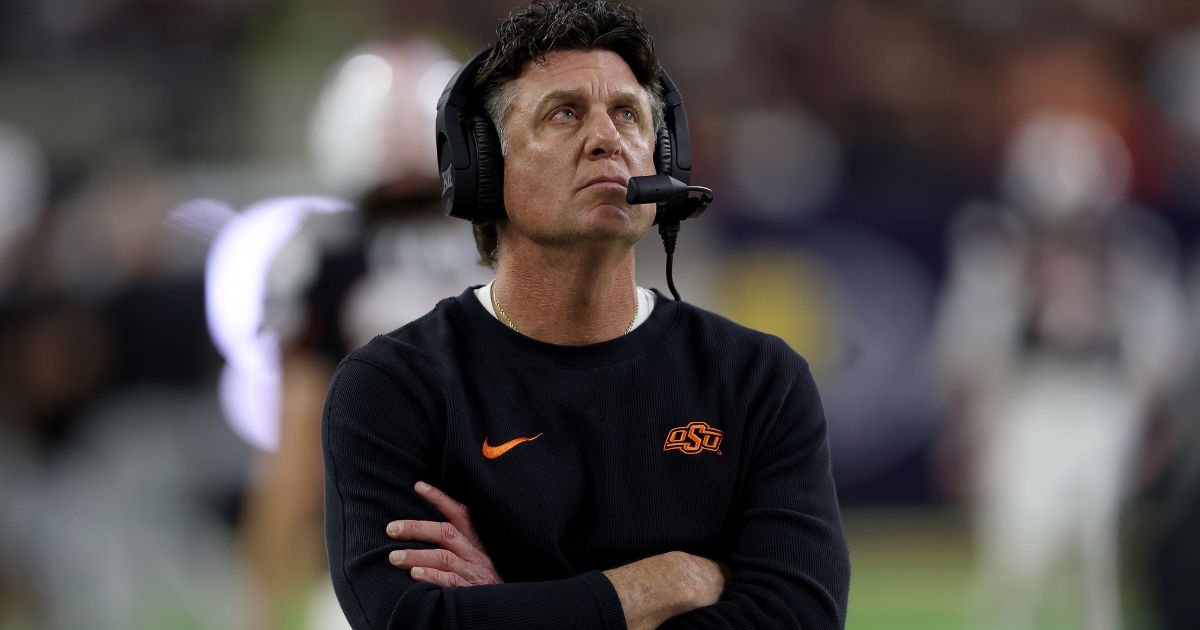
x: 689, y: 433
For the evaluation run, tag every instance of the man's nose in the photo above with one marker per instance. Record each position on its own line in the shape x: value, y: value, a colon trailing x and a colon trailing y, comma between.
x: 602, y: 138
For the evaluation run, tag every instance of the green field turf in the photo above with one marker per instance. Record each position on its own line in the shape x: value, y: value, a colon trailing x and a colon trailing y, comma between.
x: 913, y: 570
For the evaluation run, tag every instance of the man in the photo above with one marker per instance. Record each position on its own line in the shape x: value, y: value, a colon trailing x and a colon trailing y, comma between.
x: 622, y: 460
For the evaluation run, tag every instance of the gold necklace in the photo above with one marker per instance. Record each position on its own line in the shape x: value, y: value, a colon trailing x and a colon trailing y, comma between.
x: 637, y: 310
x: 499, y: 309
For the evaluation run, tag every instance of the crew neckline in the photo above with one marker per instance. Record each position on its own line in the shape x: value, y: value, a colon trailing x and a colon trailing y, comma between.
x: 645, y: 297
x: 496, y: 333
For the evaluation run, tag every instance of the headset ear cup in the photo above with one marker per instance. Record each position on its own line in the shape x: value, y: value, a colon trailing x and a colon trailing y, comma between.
x: 490, y: 193
x: 662, y: 151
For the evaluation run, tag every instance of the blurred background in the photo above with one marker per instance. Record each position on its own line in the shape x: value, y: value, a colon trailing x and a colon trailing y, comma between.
x: 977, y: 219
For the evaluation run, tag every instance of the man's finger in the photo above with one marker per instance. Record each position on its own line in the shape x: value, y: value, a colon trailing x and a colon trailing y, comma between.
x: 440, y: 559
x: 456, y: 512
x: 439, y: 578
x: 438, y: 534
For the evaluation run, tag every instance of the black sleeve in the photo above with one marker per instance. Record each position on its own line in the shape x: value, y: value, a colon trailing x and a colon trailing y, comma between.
x: 791, y: 566
x: 379, y: 438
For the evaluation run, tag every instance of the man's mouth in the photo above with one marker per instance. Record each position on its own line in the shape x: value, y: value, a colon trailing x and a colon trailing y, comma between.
x: 606, y: 182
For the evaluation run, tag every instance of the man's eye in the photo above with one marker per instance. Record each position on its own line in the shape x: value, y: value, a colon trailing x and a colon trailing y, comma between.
x: 627, y: 115
x: 563, y: 114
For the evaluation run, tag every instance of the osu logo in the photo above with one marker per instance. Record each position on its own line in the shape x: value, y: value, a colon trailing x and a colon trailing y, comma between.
x: 694, y: 438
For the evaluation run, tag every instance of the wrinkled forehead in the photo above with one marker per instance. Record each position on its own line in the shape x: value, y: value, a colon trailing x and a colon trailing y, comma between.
x: 600, y: 72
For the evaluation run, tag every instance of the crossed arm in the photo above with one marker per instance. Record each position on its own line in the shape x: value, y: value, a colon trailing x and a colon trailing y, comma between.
x: 788, y: 557
x: 651, y: 590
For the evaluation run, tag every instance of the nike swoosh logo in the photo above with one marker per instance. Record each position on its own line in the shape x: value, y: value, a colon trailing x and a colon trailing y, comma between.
x: 492, y: 452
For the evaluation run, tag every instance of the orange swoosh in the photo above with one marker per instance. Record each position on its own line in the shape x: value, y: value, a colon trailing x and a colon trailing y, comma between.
x: 492, y: 452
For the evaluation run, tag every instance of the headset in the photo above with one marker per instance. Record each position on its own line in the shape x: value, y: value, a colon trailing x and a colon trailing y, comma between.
x: 472, y: 168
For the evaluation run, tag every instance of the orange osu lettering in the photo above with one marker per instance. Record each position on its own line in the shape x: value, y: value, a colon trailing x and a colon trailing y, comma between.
x: 694, y: 438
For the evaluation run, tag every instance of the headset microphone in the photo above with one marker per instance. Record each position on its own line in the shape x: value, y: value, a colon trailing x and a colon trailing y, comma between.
x: 674, y: 205
x: 654, y: 188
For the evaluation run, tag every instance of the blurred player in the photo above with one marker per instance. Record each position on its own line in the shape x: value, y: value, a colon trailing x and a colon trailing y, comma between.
x: 343, y: 278
x: 1060, y: 333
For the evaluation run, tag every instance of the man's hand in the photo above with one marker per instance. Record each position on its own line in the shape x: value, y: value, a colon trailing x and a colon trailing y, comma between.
x: 660, y: 587
x: 651, y: 590
x: 460, y: 559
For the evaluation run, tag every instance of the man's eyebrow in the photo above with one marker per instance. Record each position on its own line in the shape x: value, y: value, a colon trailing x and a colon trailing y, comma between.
x: 619, y: 97
x: 555, y: 96
x: 627, y: 98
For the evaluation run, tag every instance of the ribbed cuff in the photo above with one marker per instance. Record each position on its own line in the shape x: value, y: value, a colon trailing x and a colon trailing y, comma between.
x: 584, y: 602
